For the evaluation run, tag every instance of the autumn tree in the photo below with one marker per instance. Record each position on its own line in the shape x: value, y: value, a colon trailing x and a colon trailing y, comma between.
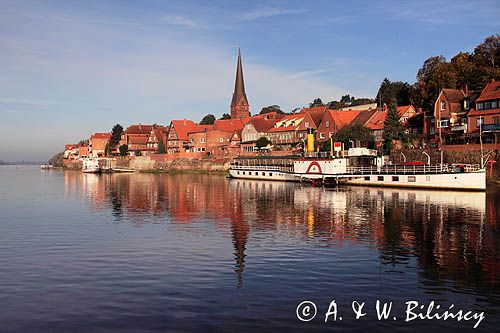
x: 397, y: 89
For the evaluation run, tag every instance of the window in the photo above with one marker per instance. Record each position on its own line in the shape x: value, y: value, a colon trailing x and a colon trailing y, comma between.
x: 367, y: 178
x: 263, y: 174
x: 443, y: 105
x: 395, y: 178
x: 221, y: 140
x: 380, y: 178
x: 412, y: 179
x: 322, y: 135
x: 432, y: 131
x: 494, y: 104
x: 327, y: 123
x: 270, y: 174
x: 443, y: 123
x: 496, y: 120
x: 301, y: 135
x: 487, y: 105
x: 480, y: 121
x: 306, y: 124
x: 202, y: 140
x: 480, y: 106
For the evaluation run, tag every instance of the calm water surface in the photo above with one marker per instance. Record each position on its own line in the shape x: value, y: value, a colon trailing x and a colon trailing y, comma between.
x: 170, y: 253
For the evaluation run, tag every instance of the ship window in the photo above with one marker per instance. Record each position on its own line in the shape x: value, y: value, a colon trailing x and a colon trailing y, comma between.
x: 249, y: 173
x: 428, y: 178
x: 263, y: 174
x: 395, y: 178
x: 270, y: 174
x: 380, y: 178
x: 257, y: 173
x: 367, y: 178
x: 243, y: 173
x: 412, y: 179
x: 238, y: 172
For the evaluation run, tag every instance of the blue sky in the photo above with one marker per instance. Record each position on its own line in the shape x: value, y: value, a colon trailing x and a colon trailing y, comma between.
x: 71, y: 68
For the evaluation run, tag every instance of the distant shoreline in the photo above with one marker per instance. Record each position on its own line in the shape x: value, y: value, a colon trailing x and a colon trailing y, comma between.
x: 21, y: 163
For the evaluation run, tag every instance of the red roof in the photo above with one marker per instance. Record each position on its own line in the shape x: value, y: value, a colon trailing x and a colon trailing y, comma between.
x: 321, y: 108
x: 101, y: 136
x: 403, y: 109
x: 491, y: 91
x: 293, y: 118
x: 376, y: 122
x: 262, y: 125
x: 184, y: 127
x: 229, y: 125
x: 138, y: 139
x: 342, y: 118
x: 474, y: 112
x: 139, y: 129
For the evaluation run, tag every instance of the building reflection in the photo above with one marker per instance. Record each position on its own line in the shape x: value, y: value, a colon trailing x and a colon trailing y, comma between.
x: 452, y: 235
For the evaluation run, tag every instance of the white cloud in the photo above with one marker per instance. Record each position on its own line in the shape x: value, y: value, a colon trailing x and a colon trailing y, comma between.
x: 264, y: 12
x: 180, y: 21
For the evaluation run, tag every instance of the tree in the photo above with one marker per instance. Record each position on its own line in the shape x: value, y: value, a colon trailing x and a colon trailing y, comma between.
x: 488, y: 53
x: 398, y: 89
x: 116, y: 135
x: 262, y: 142
x: 316, y: 102
x: 137, y: 152
x: 209, y: 119
x: 353, y: 132
x: 123, y: 150
x: 271, y: 108
x: 161, y: 147
x: 393, y: 129
x: 225, y: 116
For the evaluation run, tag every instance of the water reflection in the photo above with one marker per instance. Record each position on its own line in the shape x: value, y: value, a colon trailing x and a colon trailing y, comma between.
x: 452, y: 235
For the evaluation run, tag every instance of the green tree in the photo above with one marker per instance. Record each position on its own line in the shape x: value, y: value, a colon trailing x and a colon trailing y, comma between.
x: 209, y: 119
x: 316, y: 102
x: 262, y: 142
x: 123, y: 150
x: 271, y: 108
x: 393, y: 129
x: 225, y: 116
x: 161, y: 147
x: 397, y: 89
x: 137, y: 152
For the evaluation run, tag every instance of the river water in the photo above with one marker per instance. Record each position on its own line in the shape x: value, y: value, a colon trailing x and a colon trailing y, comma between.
x: 176, y: 253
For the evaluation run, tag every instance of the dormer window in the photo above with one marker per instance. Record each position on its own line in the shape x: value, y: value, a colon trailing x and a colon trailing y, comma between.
x: 327, y: 124
x: 306, y: 124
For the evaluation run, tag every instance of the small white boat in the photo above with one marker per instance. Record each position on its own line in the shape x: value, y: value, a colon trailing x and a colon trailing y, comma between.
x: 91, y: 165
x: 46, y: 166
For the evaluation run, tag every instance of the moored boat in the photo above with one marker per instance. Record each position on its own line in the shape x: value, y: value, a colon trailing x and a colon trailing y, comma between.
x: 360, y: 166
x: 91, y: 165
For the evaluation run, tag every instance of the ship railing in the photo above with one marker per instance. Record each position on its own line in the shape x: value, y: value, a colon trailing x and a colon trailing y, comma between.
x: 403, y: 169
x: 263, y: 168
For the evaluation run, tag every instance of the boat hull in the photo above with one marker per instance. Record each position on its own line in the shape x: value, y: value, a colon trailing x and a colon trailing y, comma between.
x: 263, y: 175
x: 467, y: 181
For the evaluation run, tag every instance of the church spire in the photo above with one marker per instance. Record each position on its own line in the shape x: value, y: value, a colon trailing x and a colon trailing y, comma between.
x: 239, y: 103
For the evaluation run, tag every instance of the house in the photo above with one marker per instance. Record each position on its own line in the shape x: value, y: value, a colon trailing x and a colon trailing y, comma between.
x: 285, y: 132
x: 209, y: 141
x: 157, y: 140
x: 254, y: 130
x: 136, y: 138
x: 450, y: 114
x: 312, y: 119
x: 484, y: 119
x: 405, y: 112
x: 177, y: 136
x: 98, y: 143
x: 333, y: 120
x: 71, y: 151
x: 359, y: 107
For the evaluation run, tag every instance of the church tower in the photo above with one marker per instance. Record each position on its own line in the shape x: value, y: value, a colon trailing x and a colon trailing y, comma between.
x: 239, y: 103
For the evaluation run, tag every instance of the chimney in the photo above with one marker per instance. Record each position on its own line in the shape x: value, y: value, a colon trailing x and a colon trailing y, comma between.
x: 467, y: 90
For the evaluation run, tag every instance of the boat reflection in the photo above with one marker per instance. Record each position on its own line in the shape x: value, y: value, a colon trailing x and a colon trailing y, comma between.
x: 450, y: 235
